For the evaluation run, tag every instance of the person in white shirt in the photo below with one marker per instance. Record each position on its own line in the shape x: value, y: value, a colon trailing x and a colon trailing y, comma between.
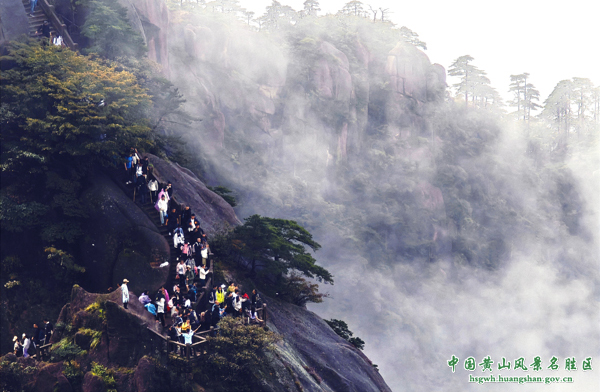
x: 26, y: 344
x: 163, y: 206
x: 202, y: 272
x: 153, y: 188
x: 160, y: 311
x: 125, y: 292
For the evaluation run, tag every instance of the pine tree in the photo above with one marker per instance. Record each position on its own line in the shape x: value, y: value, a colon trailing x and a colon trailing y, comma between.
x: 557, y: 107
x: 407, y: 35
x: 354, y: 7
x: 311, y: 7
x: 525, y: 98
x: 473, y: 83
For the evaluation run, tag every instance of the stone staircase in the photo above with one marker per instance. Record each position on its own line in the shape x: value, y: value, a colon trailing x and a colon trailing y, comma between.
x: 38, y: 18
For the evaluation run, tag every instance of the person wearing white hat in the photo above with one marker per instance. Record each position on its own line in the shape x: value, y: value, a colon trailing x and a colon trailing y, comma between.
x: 26, y: 344
x: 17, y: 346
x: 125, y: 292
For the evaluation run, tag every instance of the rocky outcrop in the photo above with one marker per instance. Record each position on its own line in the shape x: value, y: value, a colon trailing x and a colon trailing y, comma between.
x: 311, y: 345
x: 120, y: 242
x: 125, y: 334
x: 411, y: 73
x: 212, y: 211
x: 331, y: 74
x: 151, y: 19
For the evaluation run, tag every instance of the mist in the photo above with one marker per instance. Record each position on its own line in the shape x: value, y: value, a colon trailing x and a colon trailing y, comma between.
x: 449, y: 230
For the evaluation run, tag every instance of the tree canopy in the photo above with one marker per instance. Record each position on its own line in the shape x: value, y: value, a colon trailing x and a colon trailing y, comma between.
x: 61, y: 109
x: 277, y: 246
x: 474, y: 83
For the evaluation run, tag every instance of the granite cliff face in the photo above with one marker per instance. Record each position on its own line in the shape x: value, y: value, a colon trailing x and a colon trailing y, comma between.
x: 213, y: 212
x: 151, y: 19
x: 121, y: 241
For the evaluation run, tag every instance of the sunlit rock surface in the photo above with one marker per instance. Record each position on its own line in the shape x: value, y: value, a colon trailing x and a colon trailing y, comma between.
x: 212, y: 211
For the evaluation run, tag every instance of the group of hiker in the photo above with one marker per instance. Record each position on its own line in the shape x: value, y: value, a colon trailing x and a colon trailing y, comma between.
x: 222, y: 301
x: 192, y: 270
x: 31, y: 342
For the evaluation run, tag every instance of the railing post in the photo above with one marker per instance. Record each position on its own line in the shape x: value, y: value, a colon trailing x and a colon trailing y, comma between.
x: 187, y: 351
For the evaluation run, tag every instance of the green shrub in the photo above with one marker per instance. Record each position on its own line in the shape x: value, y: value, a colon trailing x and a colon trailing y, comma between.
x: 73, y: 372
x: 107, y: 375
x: 12, y: 375
x: 95, y: 335
x: 237, y: 359
x: 341, y: 328
x: 224, y: 192
x: 65, y: 350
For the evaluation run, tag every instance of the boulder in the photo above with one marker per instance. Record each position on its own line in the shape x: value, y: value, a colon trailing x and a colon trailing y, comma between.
x: 62, y: 384
x: 93, y: 383
x: 142, y: 378
x: 47, y: 377
x: 121, y: 241
x: 128, y: 336
x: 210, y: 208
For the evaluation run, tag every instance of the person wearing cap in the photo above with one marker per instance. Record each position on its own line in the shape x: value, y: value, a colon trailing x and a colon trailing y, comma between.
x: 26, y: 344
x: 44, y: 29
x: 189, y: 276
x: 17, y: 348
x: 125, y: 292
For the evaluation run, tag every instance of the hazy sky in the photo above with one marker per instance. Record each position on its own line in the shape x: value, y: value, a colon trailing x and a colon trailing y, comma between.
x: 550, y: 40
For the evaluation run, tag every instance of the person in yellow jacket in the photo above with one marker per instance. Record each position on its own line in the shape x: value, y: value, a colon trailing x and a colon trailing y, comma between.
x: 220, y: 294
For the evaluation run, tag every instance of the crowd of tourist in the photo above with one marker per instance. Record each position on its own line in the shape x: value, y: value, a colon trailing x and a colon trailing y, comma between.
x: 192, y: 271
